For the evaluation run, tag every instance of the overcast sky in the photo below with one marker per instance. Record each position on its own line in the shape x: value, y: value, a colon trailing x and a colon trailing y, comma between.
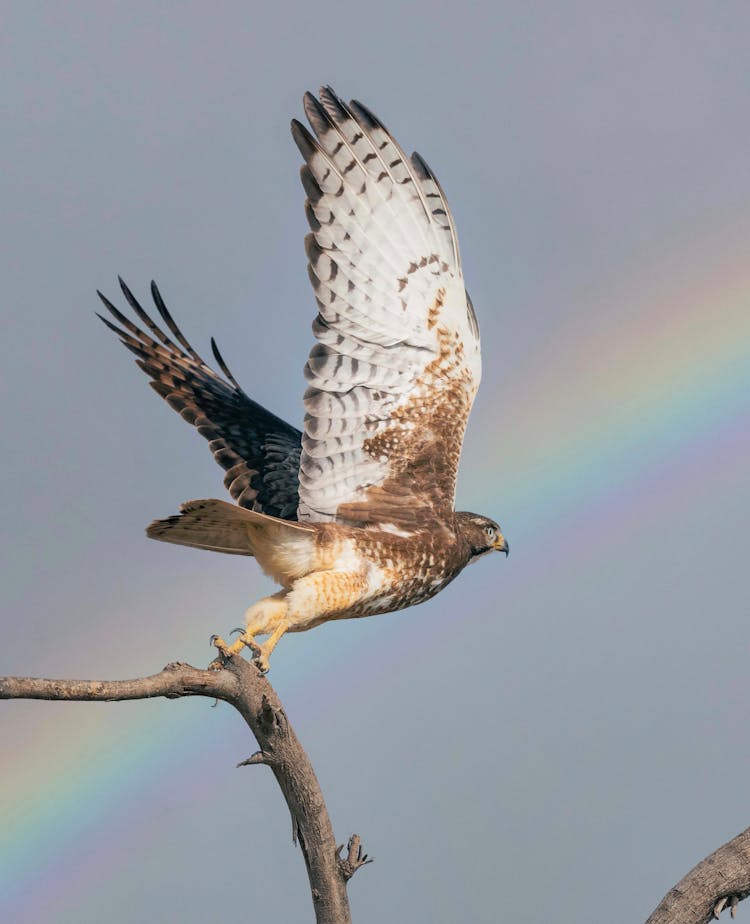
x: 556, y: 737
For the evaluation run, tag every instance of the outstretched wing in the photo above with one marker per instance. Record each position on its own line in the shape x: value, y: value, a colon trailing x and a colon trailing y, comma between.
x: 397, y: 364
x: 259, y: 451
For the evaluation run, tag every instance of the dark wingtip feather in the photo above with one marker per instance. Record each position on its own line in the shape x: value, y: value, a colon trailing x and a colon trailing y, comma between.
x: 105, y: 301
x: 131, y: 299
x: 333, y: 105
x: 159, y: 301
x: 422, y: 167
x: 366, y: 117
x: 110, y: 325
x: 164, y: 313
x: 312, y: 219
x: 312, y: 249
x: 310, y: 185
x: 119, y: 317
x: 317, y: 116
x: 222, y: 365
x: 171, y: 323
x: 150, y: 323
x: 303, y: 139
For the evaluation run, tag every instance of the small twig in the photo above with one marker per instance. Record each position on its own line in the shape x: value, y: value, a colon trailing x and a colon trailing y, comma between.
x: 257, y: 758
x: 354, y: 858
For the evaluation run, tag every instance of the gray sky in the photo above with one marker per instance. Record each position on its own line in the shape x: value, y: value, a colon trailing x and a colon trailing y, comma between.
x: 555, y: 737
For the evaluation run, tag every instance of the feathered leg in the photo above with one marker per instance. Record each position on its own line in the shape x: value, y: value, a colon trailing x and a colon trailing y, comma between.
x: 311, y: 600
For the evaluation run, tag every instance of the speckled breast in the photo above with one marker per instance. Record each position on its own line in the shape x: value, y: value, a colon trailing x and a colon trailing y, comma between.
x: 406, y: 570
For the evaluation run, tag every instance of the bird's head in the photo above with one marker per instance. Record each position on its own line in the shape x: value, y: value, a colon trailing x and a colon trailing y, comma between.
x: 481, y: 534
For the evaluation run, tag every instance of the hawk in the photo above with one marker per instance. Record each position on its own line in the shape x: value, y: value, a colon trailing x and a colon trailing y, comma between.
x: 354, y: 515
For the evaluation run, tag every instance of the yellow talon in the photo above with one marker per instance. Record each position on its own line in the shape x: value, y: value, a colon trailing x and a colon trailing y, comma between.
x: 268, y: 617
x: 226, y: 651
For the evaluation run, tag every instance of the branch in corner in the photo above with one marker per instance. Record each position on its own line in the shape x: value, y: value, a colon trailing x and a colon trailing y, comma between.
x: 716, y: 884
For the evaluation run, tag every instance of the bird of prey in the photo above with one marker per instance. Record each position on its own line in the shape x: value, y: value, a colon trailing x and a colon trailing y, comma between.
x: 354, y: 515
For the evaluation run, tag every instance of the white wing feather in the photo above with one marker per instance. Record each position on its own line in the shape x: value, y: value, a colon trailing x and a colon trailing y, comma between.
x: 397, y: 363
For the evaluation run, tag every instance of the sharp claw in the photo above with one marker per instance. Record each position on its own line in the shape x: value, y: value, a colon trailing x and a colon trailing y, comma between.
x: 212, y: 639
x: 238, y: 629
x: 719, y: 907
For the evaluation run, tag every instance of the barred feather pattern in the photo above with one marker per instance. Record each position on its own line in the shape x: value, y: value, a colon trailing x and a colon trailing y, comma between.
x: 396, y: 365
x: 259, y: 452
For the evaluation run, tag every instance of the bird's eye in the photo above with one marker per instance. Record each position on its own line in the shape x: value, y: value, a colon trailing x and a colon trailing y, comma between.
x: 490, y: 530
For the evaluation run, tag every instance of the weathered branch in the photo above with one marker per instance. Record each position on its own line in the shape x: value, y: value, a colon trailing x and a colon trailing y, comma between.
x: 240, y: 684
x: 716, y: 884
x: 175, y: 681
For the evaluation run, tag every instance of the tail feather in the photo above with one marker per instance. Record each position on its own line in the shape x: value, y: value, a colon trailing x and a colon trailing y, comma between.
x: 284, y: 549
x: 205, y: 524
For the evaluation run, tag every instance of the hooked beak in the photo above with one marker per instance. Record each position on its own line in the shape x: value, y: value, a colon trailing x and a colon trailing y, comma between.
x: 500, y: 545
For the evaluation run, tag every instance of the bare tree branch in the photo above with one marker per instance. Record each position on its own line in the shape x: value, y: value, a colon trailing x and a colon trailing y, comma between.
x: 239, y: 683
x: 716, y: 884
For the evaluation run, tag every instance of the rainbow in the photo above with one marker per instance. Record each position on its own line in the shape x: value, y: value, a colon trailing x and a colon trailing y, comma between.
x: 663, y: 372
